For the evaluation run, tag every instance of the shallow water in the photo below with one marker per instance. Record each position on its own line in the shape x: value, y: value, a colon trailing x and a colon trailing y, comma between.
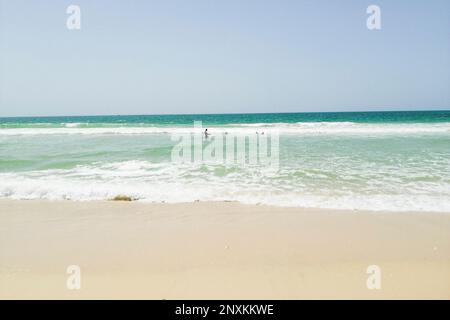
x: 396, y: 161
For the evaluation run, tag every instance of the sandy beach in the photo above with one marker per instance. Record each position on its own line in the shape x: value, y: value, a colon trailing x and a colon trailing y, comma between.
x: 218, y: 250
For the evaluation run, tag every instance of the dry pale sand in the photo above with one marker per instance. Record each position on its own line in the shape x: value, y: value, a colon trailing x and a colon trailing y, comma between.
x: 218, y: 251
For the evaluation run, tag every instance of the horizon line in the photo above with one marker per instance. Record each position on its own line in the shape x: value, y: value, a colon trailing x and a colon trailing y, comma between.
x: 230, y: 113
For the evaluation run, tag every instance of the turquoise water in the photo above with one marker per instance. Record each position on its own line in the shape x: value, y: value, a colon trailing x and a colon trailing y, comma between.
x: 396, y: 161
x: 229, y: 119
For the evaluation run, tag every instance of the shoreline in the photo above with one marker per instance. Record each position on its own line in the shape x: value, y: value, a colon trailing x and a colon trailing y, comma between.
x: 130, y: 200
x: 218, y: 250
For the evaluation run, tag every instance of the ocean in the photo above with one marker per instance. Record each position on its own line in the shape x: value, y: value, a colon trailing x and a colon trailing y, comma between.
x: 390, y: 161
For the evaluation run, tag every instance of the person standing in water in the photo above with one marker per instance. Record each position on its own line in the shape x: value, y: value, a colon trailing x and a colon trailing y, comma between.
x: 206, y: 133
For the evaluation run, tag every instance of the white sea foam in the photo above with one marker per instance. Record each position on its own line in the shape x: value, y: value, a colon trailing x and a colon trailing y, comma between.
x: 304, y: 128
x: 157, y: 182
x: 72, y: 124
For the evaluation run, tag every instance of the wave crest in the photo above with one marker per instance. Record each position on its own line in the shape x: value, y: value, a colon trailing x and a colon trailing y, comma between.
x: 303, y: 128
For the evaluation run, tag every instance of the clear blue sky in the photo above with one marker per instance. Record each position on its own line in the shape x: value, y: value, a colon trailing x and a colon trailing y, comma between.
x: 198, y: 56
